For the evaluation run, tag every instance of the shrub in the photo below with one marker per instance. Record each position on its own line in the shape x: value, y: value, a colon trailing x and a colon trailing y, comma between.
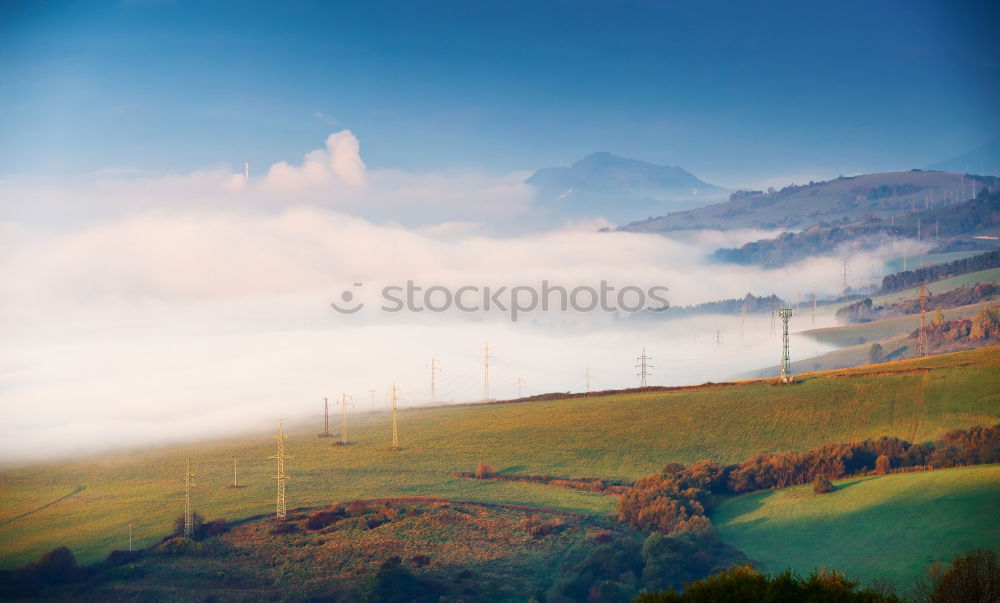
x: 972, y: 578
x: 539, y: 528
x: 484, y: 470
x: 822, y: 485
x: 745, y: 583
x: 420, y: 560
x: 178, y: 545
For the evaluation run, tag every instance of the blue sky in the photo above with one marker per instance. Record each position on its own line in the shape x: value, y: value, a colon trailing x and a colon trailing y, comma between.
x: 733, y: 91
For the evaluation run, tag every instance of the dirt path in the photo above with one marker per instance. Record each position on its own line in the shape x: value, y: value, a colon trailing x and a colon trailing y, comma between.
x: 75, y: 491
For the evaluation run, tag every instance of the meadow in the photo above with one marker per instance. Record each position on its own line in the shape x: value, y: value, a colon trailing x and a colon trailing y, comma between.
x: 623, y: 435
x: 890, y: 527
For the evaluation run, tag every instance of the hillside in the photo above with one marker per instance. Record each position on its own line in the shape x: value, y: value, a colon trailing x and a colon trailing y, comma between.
x: 949, y: 228
x: 846, y: 200
x: 889, y: 526
x: 624, y: 435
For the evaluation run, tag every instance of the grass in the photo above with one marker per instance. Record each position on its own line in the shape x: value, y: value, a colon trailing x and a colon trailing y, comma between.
x: 983, y: 276
x: 617, y: 436
x: 878, y: 330
x: 888, y: 527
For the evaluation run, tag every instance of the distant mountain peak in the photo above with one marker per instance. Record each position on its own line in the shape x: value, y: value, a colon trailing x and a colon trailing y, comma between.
x: 617, y: 188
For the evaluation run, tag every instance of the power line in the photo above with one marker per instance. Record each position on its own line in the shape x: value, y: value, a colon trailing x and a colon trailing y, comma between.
x: 395, y: 433
x: 281, y: 476
x: 642, y: 363
x: 786, y: 367
x: 343, y: 424
x: 435, y: 368
x: 188, y: 512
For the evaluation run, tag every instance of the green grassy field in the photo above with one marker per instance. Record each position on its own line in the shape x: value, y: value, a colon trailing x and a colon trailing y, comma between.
x: 889, y: 527
x: 868, y: 332
x: 618, y: 436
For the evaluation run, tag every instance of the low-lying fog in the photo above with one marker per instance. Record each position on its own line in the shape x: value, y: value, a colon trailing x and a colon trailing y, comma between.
x: 139, y: 311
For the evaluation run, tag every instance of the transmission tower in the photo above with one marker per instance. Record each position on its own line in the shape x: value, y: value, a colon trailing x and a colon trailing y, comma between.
x: 326, y: 419
x: 642, y: 363
x: 486, y: 372
x: 519, y: 384
x: 786, y: 368
x: 743, y: 319
x: 188, y: 512
x: 588, y: 378
x: 371, y: 392
x: 844, y: 276
x: 281, y: 476
x: 718, y: 337
x: 922, y: 335
x: 393, y: 398
x: 814, y: 307
x: 435, y: 368
x: 343, y: 421
x: 234, y: 473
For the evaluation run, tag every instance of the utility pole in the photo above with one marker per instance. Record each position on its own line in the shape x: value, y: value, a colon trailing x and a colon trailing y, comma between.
x: 922, y: 335
x: 395, y: 434
x: 234, y: 473
x: 743, y: 319
x: 786, y: 367
x: 343, y: 422
x: 486, y: 372
x: 188, y: 512
x: 642, y: 363
x: 435, y: 367
x: 371, y: 392
x: 814, y: 308
x: 588, y: 378
x: 130, y: 535
x: 718, y: 337
x: 326, y: 419
x: 844, y: 275
x: 519, y: 384
x: 281, y: 476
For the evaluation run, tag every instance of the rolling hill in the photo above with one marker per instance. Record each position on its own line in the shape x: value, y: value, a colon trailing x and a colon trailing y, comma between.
x: 846, y: 200
x: 890, y: 527
x: 623, y: 435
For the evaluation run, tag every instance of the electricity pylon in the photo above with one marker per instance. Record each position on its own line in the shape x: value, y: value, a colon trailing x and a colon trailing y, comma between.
x: 234, y: 473
x: 371, y: 392
x: 326, y: 419
x: 343, y: 423
x: 519, y: 384
x: 642, y: 363
x: 435, y: 368
x: 921, y: 334
x: 786, y: 369
x: 188, y: 512
x: 281, y: 476
x: 486, y: 372
x: 393, y: 398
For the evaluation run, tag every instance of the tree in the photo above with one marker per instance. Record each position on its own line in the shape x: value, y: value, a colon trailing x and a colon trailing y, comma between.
x: 972, y: 578
x: 876, y: 354
x: 822, y: 485
x: 882, y: 464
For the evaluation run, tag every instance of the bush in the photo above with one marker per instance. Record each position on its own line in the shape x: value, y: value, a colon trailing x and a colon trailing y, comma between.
x: 484, y: 470
x: 972, y: 578
x: 822, y: 485
x: 746, y: 584
x: 178, y: 545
